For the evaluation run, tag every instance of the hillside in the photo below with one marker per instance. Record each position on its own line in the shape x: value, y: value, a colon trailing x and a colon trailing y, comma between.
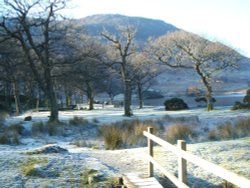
x: 226, y: 82
x: 146, y: 28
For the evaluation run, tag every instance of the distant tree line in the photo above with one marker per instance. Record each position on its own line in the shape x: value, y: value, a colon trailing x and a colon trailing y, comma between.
x: 48, y: 60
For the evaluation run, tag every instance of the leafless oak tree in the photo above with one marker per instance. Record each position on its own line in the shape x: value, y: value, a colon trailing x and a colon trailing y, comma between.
x: 34, y: 25
x: 185, y: 50
x: 122, y: 46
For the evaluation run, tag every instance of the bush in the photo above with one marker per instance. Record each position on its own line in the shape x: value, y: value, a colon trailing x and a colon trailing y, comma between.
x: 50, y: 128
x: 11, y: 134
x: 78, y: 121
x: 204, y: 99
x: 112, y: 137
x: 175, y: 104
x: 179, y: 132
x: 3, y: 115
x: 246, y: 102
x: 38, y: 128
x: 246, y: 99
x: 125, y: 133
x: 238, y: 105
x: 228, y: 131
x: 16, y: 127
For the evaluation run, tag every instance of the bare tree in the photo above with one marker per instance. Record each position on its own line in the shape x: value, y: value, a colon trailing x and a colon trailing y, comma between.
x: 184, y: 50
x: 112, y: 86
x: 12, y: 69
x: 122, y: 46
x: 87, y: 72
x: 144, y: 71
x: 34, y: 25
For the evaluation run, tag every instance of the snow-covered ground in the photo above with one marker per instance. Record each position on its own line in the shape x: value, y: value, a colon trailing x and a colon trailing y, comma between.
x: 64, y: 169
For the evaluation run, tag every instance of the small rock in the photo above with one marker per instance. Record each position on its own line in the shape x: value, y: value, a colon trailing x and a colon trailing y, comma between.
x: 48, y: 149
x: 53, y: 149
x: 28, y: 118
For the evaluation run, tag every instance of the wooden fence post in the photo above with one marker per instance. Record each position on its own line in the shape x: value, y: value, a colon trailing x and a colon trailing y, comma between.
x: 151, y: 153
x: 182, y: 163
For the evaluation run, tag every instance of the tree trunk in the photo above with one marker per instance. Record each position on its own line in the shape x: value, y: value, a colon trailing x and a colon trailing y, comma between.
x: 16, y: 97
x: 68, y: 100
x: 205, y: 81
x: 90, y: 97
x: 210, y: 106
x: 7, y: 99
x: 140, y: 95
x: 127, y: 98
x: 32, y: 101
x: 52, y: 98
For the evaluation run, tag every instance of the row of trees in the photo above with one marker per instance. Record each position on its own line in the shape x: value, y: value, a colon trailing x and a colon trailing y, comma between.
x: 42, y: 54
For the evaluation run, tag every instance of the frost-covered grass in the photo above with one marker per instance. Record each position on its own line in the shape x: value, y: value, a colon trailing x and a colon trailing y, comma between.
x: 78, y: 132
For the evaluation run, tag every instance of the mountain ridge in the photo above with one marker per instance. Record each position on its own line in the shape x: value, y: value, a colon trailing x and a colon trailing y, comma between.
x: 146, y: 27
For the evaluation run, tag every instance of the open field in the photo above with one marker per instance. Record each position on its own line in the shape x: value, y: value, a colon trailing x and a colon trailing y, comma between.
x: 60, y: 168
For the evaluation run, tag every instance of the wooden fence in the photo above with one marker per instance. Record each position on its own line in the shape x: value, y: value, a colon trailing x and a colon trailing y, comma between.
x: 183, y: 157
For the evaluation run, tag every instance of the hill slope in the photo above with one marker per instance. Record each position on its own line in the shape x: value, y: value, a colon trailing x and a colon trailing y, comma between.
x: 231, y: 81
x: 146, y: 28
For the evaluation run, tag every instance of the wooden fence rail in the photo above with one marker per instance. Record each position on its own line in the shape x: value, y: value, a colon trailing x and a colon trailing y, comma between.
x: 184, y: 156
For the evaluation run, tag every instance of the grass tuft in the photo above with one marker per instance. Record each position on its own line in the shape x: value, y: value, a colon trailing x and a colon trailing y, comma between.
x: 11, y: 134
x: 227, y: 131
x: 127, y: 133
x: 179, y: 132
x: 78, y: 121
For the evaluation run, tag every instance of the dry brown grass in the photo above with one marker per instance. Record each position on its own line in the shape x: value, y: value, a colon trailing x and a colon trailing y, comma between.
x: 49, y: 128
x: 230, y: 130
x: 78, y: 121
x: 179, y: 132
x: 11, y: 134
x: 124, y: 134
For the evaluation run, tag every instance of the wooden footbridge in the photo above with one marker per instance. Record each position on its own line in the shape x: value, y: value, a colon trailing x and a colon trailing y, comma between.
x: 133, y: 180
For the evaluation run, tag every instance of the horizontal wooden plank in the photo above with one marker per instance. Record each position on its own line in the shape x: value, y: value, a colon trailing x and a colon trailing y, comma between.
x: 170, y: 176
x: 134, y: 180
x: 208, y: 166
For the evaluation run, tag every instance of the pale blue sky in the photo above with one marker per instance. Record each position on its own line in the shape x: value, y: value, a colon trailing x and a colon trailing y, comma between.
x: 227, y: 21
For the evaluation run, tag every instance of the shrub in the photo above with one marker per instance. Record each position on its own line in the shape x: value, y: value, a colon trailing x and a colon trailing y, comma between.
x: 50, y: 128
x: 4, y: 139
x: 78, y: 121
x: 125, y: 133
x: 54, y: 128
x: 175, y: 104
x: 246, y: 99
x: 3, y: 115
x: 238, y: 105
x: 226, y: 131
x: 16, y: 127
x: 179, y: 132
x: 38, y: 128
x: 246, y: 102
x: 11, y: 134
x: 204, y: 99
x: 112, y: 137
x: 81, y: 143
x: 242, y: 127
